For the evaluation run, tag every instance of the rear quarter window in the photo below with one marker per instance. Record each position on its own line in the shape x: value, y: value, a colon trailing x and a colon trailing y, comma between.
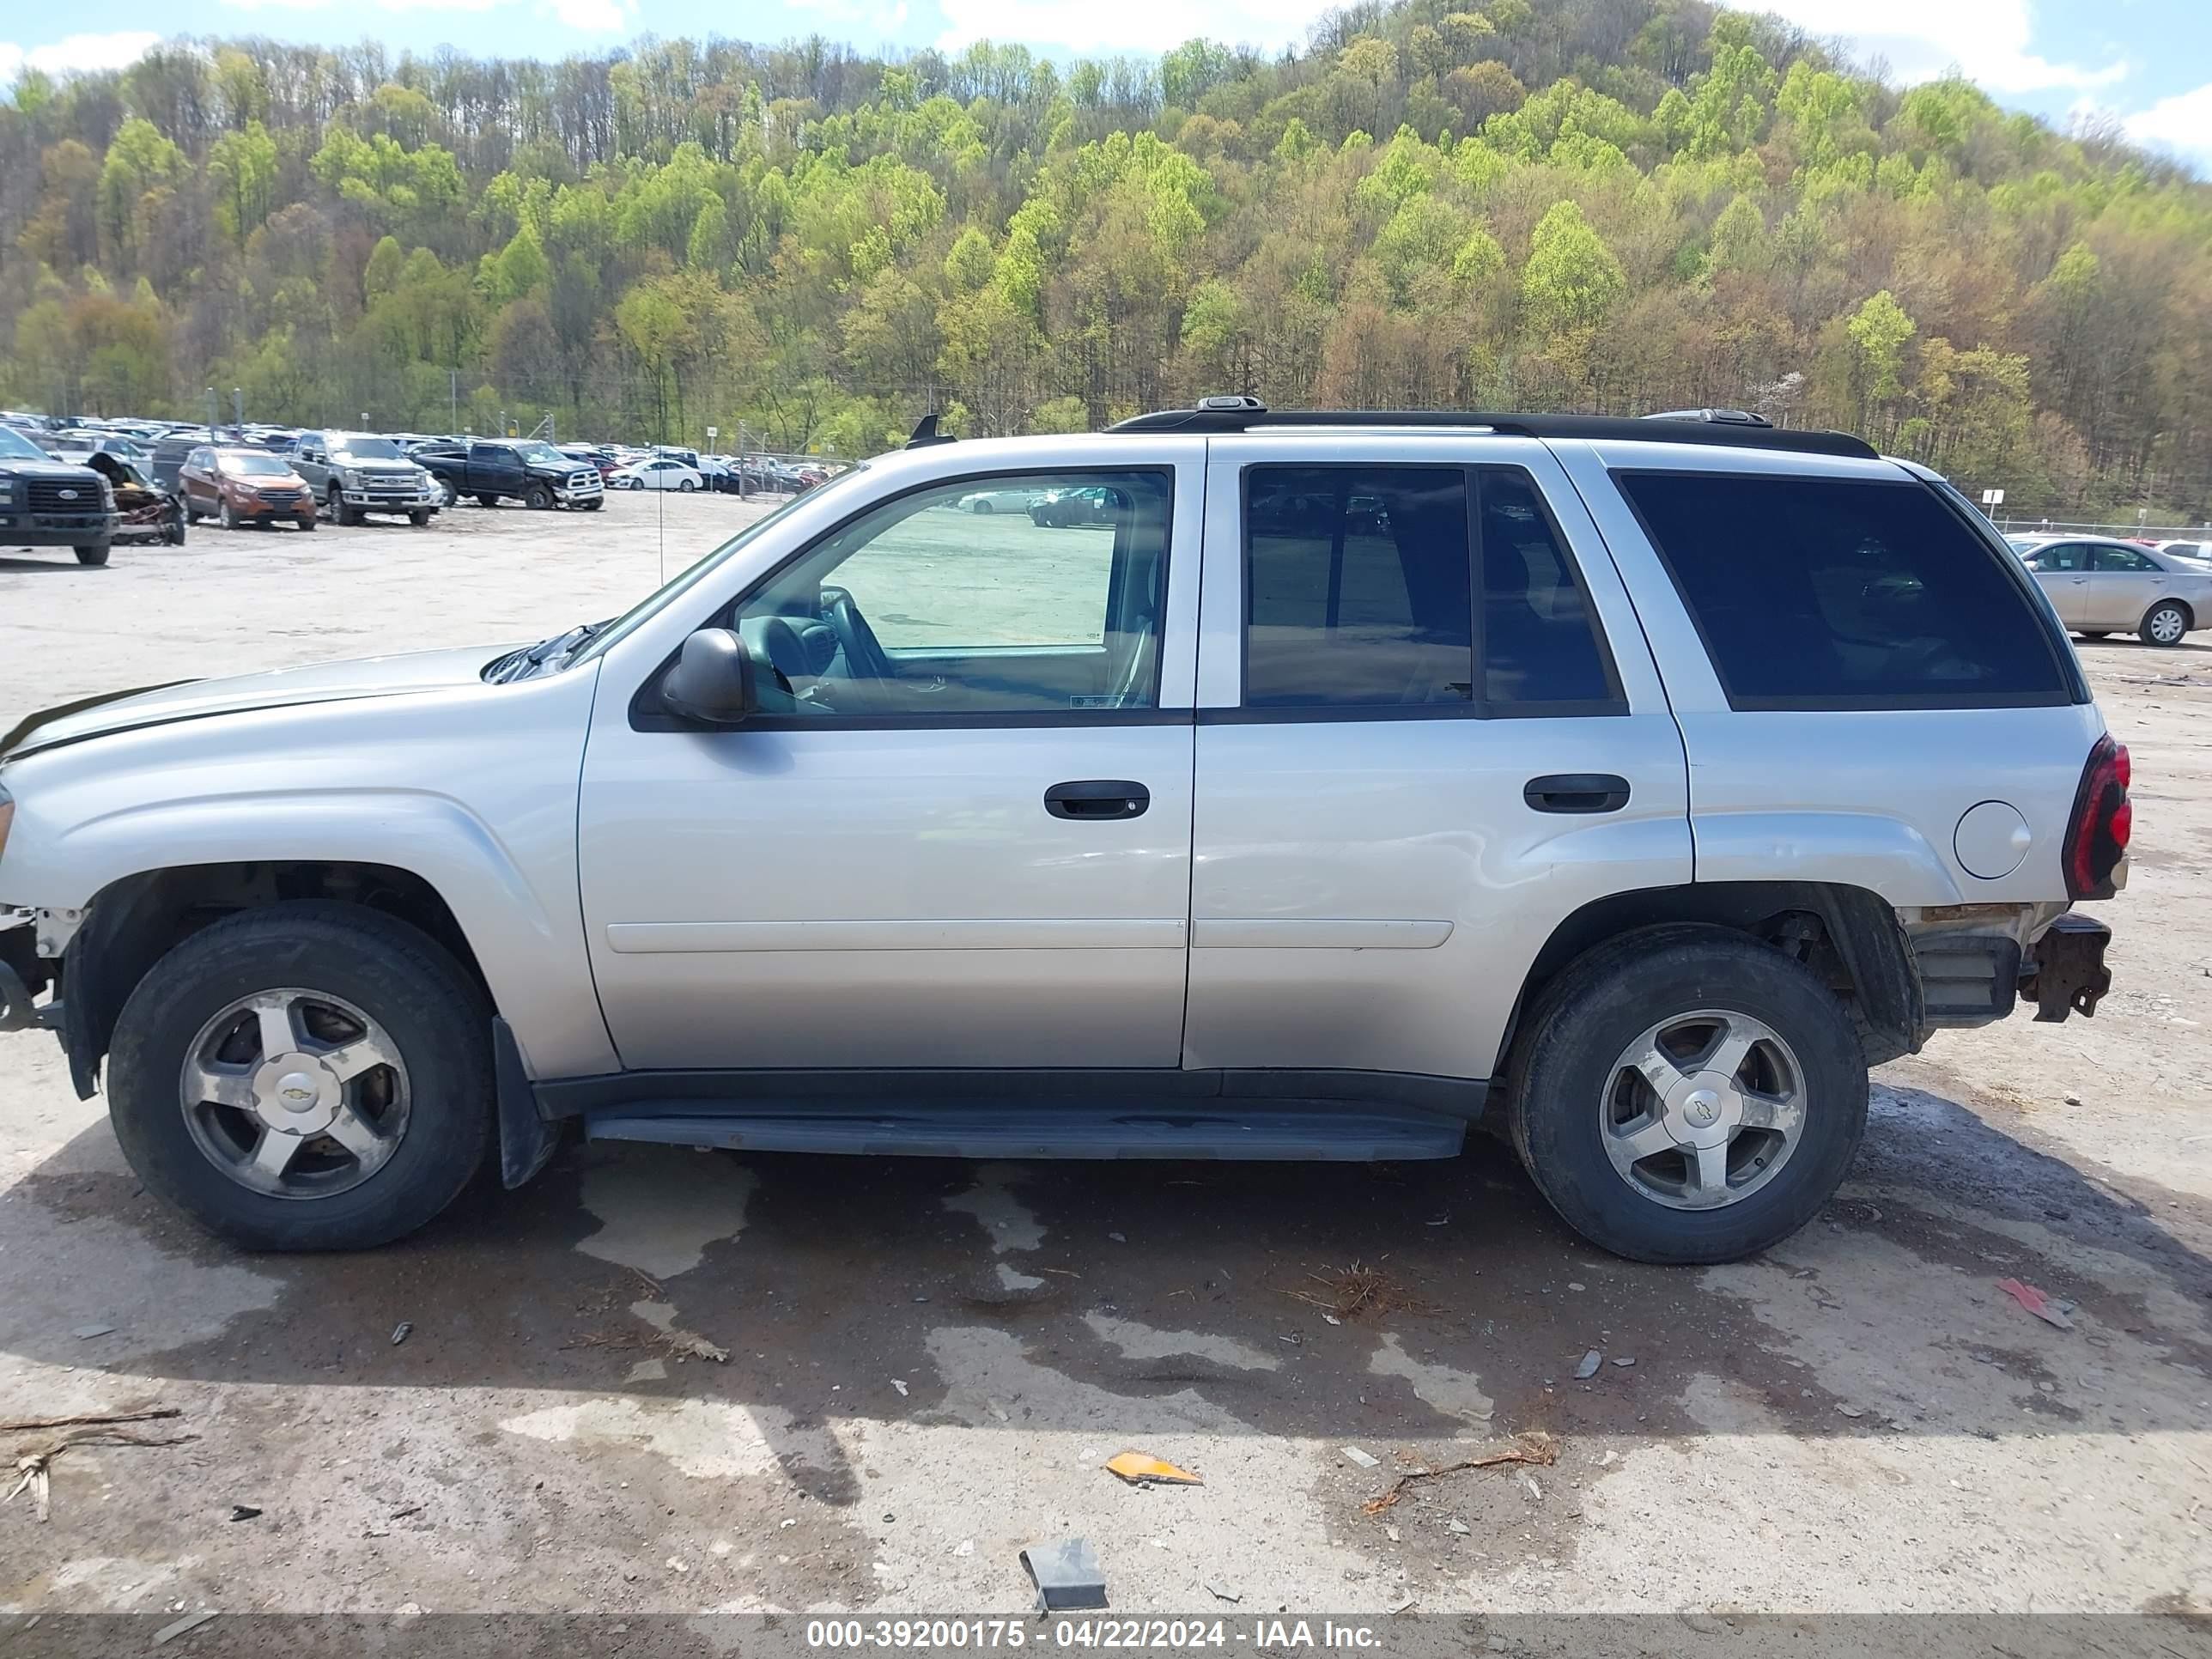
x: 1816, y: 594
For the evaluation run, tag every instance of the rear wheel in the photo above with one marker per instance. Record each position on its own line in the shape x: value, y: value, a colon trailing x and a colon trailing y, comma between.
x: 2166, y: 624
x: 981, y: 509
x: 305, y: 1077
x: 2095, y: 632
x: 686, y: 484
x: 93, y: 555
x: 1687, y: 1095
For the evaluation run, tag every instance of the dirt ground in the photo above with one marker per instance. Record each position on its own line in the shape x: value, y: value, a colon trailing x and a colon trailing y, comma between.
x: 927, y: 1362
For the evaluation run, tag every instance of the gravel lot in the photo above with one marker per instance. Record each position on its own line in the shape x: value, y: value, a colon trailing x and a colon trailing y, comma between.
x: 928, y: 1361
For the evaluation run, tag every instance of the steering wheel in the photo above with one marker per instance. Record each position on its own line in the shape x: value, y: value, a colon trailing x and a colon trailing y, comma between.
x: 865, y: 656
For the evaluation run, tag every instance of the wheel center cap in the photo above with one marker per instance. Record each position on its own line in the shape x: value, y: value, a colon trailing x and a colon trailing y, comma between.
x: 1701, y: 1107
x: 296, y: 1091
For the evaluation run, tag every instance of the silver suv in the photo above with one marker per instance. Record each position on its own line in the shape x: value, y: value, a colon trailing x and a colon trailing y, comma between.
x: 1339, y: 780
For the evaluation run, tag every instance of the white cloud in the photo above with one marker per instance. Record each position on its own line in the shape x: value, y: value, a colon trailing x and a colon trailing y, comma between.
x: 2183, y: 122
x: 285, y: 5
x: 76, y: 51
x: 1132, y: 26
x: 1988, y: 40
x: 597, y: 16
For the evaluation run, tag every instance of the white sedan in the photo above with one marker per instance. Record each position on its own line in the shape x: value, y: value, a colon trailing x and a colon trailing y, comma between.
x: 999, y: 500
x: 2100, y: 587
x: 658, y: 474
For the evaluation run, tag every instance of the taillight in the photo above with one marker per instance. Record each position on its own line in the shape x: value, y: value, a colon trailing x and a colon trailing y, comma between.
x: 2097, y: 834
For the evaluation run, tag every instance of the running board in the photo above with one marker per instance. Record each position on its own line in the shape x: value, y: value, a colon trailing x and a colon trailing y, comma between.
x: 1327, y: 1131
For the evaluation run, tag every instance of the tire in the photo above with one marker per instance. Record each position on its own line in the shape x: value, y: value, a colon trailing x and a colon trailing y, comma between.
x: 429, y: 1010
x: 306, y: 523
x: 1563, y: 1073
x: 487, y: 501
x: 226, y: 514
x: 2095, y: 634
x: 539, y: 499
x: 419, y: 518
x: 192, y: 514
x: 2166, y: 624
x: 446, y: 496
x: 91, y: 556
x: 981, y: 509
x: 684, y: 486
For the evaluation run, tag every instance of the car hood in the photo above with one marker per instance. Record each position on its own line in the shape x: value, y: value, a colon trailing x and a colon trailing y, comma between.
x: 60, y: 471
x: 187, y: 700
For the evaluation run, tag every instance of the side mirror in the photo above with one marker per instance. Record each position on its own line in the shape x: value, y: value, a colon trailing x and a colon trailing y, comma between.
x: 713, y: 679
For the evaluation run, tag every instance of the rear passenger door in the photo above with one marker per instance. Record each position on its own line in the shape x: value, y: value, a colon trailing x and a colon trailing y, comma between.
x: 1429, y: 730
x: 2124, y: 585
x: 2062, y: 570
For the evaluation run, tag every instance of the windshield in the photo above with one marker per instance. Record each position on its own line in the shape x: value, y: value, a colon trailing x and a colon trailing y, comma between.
x: 14, y: 446
x: 366, y: 449
x: 544, y: 454
x: 698, y: 571
x: 253, y: 467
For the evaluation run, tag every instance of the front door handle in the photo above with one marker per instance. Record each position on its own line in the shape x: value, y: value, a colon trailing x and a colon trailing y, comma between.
x: 1576, y: 792
x: 1095, y: 799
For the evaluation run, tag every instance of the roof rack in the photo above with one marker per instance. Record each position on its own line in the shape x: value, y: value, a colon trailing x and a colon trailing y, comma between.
x: 1733, y: 428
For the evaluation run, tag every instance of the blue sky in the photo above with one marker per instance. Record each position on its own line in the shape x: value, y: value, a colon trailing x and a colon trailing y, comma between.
x: 2147, y: 62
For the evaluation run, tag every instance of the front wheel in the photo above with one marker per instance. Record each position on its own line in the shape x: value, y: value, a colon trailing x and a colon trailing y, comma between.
x: 539, y: 499
x: 227, y: 515
x: 1686, y: 1094
x: 419, y: 516
x: 2166, y: 624
x: 446, y: 497
x: 305, y: 1077
x: 981, y: 509
x: 91, y: 556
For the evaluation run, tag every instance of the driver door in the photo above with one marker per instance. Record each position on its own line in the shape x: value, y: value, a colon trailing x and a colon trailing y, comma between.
x: 957, y: 832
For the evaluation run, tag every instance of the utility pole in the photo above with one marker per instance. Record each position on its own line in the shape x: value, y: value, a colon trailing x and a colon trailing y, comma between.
x: 210, y: 398
x: 238, y: 409
x: 453, y: 397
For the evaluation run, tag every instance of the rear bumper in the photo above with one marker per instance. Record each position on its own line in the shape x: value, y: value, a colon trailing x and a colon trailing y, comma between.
x: 1975, y: 963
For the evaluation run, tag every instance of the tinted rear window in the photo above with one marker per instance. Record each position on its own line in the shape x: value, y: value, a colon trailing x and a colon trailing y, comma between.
x: 1831, y: 593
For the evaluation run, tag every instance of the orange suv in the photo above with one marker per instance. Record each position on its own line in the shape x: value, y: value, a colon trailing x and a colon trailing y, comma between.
x: 236, y: 486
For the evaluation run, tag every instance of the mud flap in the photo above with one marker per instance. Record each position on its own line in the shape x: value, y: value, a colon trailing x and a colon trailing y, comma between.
x: 526, y: 1140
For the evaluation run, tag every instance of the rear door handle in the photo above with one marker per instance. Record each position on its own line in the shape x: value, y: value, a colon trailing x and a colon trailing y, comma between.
x: 1097, y: 799
x: 1576, y: 792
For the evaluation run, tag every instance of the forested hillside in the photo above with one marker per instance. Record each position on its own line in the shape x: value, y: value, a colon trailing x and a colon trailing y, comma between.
x: 1613, y: 205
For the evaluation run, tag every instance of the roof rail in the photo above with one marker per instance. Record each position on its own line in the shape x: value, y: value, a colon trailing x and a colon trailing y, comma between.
x: 1732, y: 429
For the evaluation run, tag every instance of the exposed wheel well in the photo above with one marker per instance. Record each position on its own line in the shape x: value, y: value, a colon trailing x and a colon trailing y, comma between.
x: 1849, y: 936
x: 2188, y: 610
x: 132, y: 923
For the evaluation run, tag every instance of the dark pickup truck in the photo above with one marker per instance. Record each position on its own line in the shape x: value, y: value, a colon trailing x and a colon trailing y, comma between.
x: 45, y: 502
x: 535, y: 474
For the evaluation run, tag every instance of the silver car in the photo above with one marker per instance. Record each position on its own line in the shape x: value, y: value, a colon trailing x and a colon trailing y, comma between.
x: 1640, y: 783
x: 2100, y: 586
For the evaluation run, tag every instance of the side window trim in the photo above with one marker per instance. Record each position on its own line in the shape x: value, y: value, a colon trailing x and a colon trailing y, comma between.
x: 1477, y: 705
x: 646, y: 714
